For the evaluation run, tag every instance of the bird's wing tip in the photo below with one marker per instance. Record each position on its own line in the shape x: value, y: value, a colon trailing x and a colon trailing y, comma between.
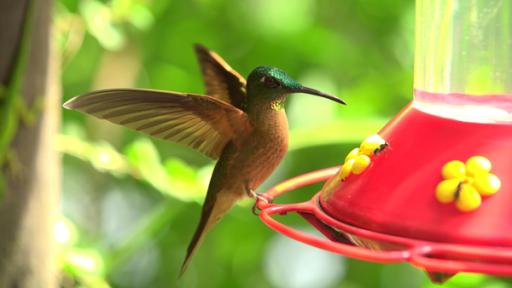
x: 200, y: 47
x: 69, y: 104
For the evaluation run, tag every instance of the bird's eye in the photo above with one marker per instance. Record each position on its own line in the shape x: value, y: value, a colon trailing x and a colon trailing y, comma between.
x: 270, y: 82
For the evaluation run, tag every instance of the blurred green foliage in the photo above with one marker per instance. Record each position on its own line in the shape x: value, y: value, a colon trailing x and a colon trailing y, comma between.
x: 130, y: 203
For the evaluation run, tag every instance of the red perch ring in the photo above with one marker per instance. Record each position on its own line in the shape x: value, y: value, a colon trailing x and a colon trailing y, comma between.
x: 389, y: 212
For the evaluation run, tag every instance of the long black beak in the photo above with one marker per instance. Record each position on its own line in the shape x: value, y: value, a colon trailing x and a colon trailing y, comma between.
x: 311, y: 91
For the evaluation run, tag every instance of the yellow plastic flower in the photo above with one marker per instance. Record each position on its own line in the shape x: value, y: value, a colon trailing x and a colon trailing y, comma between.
x: 360, y: 164
x: 466, y: 183
x: 372, y: 145
x: 359, y: 158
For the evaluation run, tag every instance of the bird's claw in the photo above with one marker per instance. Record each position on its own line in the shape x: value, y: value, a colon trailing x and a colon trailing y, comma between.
x: 259, y: 197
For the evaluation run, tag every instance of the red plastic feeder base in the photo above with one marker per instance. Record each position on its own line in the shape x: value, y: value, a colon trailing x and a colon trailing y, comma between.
x: 389, y: 213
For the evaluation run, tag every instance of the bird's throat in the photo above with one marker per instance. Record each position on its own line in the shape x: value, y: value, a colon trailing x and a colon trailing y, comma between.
x: 277, y: 105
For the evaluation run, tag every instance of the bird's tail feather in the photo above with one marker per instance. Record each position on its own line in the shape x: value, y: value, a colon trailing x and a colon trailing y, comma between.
x: 214, y: 208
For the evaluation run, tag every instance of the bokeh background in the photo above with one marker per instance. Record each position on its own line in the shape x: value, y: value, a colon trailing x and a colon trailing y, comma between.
x: 130, y: 203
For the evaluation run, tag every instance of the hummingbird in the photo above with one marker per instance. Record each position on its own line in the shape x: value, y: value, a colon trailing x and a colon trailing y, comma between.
x: 240, y: 123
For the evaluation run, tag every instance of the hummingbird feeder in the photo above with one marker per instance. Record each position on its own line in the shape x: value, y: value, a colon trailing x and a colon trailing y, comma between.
x: 434, y: 186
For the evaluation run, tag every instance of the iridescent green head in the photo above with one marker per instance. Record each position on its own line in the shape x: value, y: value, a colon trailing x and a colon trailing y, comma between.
x: 272, y: 83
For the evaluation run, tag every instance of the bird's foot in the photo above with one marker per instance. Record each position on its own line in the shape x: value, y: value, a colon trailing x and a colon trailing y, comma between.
x: 259, y: 197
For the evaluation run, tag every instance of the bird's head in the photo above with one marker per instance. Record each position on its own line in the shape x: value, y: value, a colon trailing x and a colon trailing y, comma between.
x: 270, y: 84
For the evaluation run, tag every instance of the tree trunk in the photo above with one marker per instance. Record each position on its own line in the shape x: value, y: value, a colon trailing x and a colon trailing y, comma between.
x: 29, y: 205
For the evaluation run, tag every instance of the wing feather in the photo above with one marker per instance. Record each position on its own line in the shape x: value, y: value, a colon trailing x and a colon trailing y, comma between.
x: 200, y: 122
x: 221, y: 81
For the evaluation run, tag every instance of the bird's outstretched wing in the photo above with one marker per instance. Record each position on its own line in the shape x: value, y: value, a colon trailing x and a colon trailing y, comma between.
x: 200, y: 122
x: 221, y: 81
